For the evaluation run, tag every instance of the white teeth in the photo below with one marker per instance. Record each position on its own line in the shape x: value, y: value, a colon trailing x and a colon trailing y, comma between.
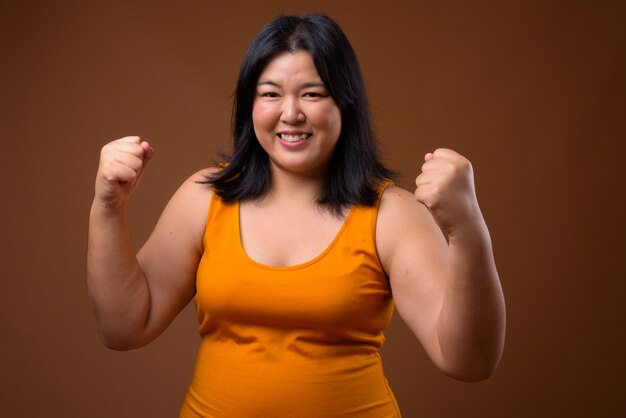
x: 293, y: 138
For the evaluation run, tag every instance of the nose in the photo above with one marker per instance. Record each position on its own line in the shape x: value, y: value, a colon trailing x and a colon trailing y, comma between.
x: 292, y: 113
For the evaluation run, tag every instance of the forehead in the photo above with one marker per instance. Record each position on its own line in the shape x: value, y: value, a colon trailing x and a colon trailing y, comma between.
x: 287, y: 66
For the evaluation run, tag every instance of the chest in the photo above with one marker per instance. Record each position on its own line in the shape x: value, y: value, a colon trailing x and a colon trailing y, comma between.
x: 280, y: 236
x: 292, y: 270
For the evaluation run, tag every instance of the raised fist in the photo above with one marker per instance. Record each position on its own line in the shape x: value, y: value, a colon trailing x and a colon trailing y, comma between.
x: 122, y: 163
x: 446, y: 188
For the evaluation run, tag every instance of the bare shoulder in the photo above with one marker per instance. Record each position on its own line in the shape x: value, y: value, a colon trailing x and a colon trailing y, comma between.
x: 195, y: 188
x: 403, y: 224
x: 399, y: 206
x: 186, y: 212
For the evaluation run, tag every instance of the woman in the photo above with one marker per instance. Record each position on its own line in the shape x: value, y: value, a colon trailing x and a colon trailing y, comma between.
x: 305, y: 242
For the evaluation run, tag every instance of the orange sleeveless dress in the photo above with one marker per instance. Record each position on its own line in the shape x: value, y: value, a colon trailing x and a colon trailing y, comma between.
x: 298, y: 341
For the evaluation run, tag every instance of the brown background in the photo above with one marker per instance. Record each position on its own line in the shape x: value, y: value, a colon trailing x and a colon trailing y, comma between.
x: 532, y: 92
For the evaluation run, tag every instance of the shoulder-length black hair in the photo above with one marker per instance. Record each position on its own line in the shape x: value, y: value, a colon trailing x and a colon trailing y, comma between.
x: 355, y: 169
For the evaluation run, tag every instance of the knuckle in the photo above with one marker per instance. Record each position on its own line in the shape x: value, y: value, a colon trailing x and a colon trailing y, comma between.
x: 450, y: 170
x: 107, y: 166
x: 109, y: 177
x: 105, y: 149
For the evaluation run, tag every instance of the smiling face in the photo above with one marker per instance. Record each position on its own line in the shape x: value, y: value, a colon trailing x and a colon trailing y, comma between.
x: 295, y: 119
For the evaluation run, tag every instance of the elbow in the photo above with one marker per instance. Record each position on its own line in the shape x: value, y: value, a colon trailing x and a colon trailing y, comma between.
x: 122, y: 335
x: 473, y: 369
x: 471, y: 375
x: 117, y: 345
x: 119, y: 342
x: 473, y: 363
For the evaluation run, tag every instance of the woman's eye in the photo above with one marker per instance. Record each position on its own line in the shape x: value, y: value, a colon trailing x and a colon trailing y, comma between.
x: 268, y: 94
x: 313, y: 94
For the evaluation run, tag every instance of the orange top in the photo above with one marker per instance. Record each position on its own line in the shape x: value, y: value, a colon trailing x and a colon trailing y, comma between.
x: 297, y: 341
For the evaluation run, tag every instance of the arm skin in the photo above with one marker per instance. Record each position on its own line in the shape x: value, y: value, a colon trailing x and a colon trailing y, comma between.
x: 135, y: 297
x: 448, y: 294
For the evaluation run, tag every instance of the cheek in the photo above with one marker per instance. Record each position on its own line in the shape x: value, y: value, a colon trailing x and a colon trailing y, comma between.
x: 263, y: 117
x: 327, y: 118
x: 333, y: 120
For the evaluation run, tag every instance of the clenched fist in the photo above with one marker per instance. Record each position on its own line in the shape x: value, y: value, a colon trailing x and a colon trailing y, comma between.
x: 446, y: 188
x: 122, y: 163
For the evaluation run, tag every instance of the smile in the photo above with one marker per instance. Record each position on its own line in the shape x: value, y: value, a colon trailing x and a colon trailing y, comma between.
x: 293, y: 138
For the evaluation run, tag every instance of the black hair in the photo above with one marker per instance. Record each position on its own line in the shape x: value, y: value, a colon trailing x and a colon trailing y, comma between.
x: 355, y: 169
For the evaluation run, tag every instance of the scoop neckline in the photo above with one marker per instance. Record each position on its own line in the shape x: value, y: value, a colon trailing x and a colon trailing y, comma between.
x: 314, y: 260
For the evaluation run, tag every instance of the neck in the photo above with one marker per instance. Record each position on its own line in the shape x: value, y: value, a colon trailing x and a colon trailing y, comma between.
x: 294, y: 189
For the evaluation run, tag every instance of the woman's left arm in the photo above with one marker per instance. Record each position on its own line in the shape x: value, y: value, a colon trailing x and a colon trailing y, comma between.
x: 448, y: 293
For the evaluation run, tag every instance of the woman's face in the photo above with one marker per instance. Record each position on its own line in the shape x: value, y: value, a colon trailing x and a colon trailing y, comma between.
x: 295, y: 119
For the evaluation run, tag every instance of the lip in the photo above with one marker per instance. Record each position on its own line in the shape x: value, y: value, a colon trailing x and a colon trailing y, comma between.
x: 293, y: 133
x: 292, y: 145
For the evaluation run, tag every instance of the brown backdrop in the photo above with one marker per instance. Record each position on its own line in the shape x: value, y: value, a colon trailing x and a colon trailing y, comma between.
x: 532, y: 92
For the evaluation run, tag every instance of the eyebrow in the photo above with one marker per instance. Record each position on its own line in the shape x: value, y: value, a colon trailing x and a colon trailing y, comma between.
x: 305, y: 85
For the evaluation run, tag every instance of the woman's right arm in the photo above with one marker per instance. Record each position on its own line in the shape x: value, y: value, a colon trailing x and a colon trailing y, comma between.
x: 135, y: 297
